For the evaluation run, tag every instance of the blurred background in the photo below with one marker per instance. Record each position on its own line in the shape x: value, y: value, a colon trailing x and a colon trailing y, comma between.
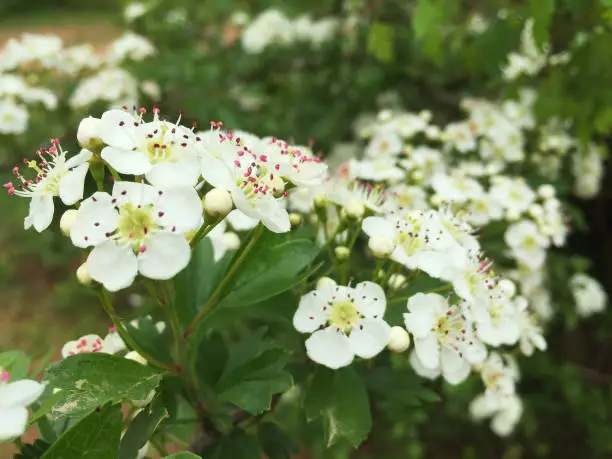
x: 197, y: 57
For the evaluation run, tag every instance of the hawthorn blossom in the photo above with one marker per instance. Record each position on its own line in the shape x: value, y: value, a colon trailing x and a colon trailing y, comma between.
x: 505, y: 412
x: 495, y: 316
x: 443, y: 336
x: 15, y: 397
x: 139, y: 229
x: 526, y: 243
x: 55, y: 176
x: 344, y: 321
x: 166, y: 153
x: 530, y: 332
x: 589, y: 295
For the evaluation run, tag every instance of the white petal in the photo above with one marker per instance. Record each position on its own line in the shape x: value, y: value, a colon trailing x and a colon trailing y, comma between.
x: 113, y: 343
x: 420, y: 369
x: 428, y: 351
x: 135, y: 193
x: 370, y: 299
x: 83, y: 156
x: 370, y: 340
x: 94, y: 221
x: 113, y: 266
x: 450, y: 360
x: 241, y: 222
x: 126, y: 161
x: 20, y: 393
x: 274, y: 216
x: 378, y: 226
x: 72, y: 184
x: 421, y: 318
x: 182, y: 173
x: 216, y: 172
x: 12, y: 422
x: 121, y: 136
x: 310, y: 315
x: 476, y: 352
x: 458, y: 376
x: 181, y: 208
x: 330, y: 348
x: 165, y: 256
x: 41, y: 212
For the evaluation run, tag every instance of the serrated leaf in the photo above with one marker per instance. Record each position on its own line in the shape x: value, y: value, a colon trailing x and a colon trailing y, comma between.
x: 349, y: 416
x: 273, y: 266
x: 88, y: 381
x: 255, y: 396
x: 318, y: 396
x: 141, y: 429
x: 275, y: 442
x: 95, y: 437
x: 16, y: 363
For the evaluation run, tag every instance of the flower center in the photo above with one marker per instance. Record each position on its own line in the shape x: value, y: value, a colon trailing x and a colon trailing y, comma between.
x: 157, y: 147
x: 343, y: 315
x: 136, y: 223
x: 529, y: 243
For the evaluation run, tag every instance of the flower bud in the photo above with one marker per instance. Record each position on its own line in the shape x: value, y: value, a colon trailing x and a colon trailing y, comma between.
x: 417, y: 176
x: 381, y: 246
x: 546, y: 191
x: 435, y: 200
x: 88, y: 134
x: 535, y: 210
x: 67, y: 220
x: 397, y: 281
x: 342, y: 253
x: 295, y: 220
x: 507, y: 286
x: 512, y: 215
x: 218, y: 203
x: 231, y: 241
x: 354, y: 209
x: 399, y: 340
x: 82, y: 275
x: 320, y: 201
x: 385, y: 115
x: 136, y: 357
x: 326, y: 282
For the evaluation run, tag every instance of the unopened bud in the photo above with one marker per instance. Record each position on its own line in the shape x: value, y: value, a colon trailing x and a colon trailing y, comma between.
x: 381, y: 246
x: 546, y: 191
x: 67, y: 220
x: 342, y: 253
x: 399, y: 340
x: 83, y: 276
x: 231, y: 241
x: 326, y: 282
x: 354, y: 209
x: 536, y: 211
x: 295, y: 220
x: 512, y: 215
x: 435, y: 200
x: 320, y: 201
x: 417, y: 176
x: 136, y: 357
x: 507, y: 286
x: 218, y: 202
x: 88, y: 134
x: 397, y: 281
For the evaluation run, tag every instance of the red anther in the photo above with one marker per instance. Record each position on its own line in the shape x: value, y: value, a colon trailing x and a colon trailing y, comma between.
x: 236, y: 163
x: 142, y: 249
x: 142, y: 110
x: 263, y: 158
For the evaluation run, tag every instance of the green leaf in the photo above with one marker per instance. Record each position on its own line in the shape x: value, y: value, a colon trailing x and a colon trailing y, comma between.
x: 349, y: 416
x: 95, y: 437
x: 183, y: 455
x: 427, y: 18
x: 254, y: 373
x: 148, y: 336
x: 16, y: 363
x: 606, y: 2
x: 211, y: 359
x: 33, y: 451
x: 237, y: 445
x: 275, y: 442
x: 273, y: 266
x: 341, y: 399
x: 380, y: 41
x: 195, y: 283
x: 91, y: 380
x: 541, y: 11
x: 141, y: 429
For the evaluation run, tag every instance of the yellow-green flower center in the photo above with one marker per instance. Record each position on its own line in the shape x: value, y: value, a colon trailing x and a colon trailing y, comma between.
x: 343, y: 315
x: 136, y: 223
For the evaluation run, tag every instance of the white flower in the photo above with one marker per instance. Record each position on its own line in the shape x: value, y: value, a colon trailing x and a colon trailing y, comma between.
x: 344, y: 322
x: 84, y: 345
x: 139, y: 229
x: 530, y: 332
x: 456, y: 187
x: 166, y: 153
x: 588, y: 171
x: 270, y: 27
x: 499, y: 377
x: 130, y: 46
x: 443, y: 336
x: 55, y: 176
x: 482, y: 210
x: 378, y: 170
x: 134, y: 10
x: 460, y: 136
x: 253, y: 182
x: 506, y: 412
x: 589, y: 295
x: 13, y: 117
x: 113, y: 85
x: 514, y: 194
x: 405, y: 197
x: 343, y: 192
x: 14, y: 400
x: 384, y: 144
x: 496, y: 317
x: 527, y: 244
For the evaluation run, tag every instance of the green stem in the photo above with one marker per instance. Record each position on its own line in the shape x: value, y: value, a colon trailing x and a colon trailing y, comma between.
x: 127, y: 338
x: 175, y: 323
x: 215, y: 295
x: 442, y: 288
x: 203, y: 231
x: 114, y: 173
